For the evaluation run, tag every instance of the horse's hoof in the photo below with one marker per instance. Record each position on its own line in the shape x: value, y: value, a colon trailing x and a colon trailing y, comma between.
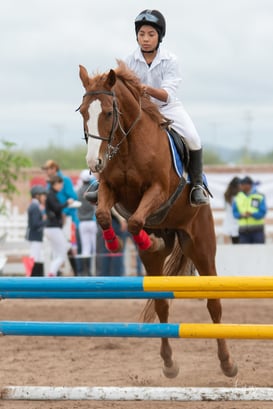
x: 158, y: 244
x: 229, y: 370
x: 172, y: 371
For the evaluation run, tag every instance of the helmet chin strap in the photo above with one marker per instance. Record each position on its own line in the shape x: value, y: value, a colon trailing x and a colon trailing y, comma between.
x: 148, y: 52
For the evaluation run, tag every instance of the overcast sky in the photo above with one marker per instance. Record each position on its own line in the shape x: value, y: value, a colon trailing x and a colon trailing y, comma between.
x: 225, y: 49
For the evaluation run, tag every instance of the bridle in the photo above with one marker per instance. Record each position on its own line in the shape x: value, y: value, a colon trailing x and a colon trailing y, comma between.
x: 112, y: 149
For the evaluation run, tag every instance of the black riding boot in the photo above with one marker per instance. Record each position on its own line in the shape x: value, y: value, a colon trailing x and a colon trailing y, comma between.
x: 72, y: 262
x: 37, y: 270
x: 198, y: 195
x: 86, y: 266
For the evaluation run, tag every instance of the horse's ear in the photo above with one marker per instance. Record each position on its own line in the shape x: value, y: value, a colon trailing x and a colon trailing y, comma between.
x: 84, y: 76
x: 111, y: 79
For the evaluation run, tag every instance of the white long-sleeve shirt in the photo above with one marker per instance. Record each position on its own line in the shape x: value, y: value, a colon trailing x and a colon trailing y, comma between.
x: 164, y: 73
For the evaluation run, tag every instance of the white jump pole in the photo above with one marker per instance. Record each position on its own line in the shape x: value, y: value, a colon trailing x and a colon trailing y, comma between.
x: 135, y: 393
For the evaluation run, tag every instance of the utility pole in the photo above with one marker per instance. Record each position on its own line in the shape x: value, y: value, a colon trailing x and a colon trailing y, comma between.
x: 248, y: 135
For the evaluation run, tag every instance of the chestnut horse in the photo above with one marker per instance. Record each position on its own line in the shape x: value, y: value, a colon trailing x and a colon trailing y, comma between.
x: 129, y: 149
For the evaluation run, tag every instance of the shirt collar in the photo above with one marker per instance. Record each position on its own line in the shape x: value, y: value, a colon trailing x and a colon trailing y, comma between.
x: 160, y: 55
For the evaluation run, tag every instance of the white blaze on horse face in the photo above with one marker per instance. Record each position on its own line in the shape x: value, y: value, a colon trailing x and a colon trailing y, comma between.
x: 93, y: 144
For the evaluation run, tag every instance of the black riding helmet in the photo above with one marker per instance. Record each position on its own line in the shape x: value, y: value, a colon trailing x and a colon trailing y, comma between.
x: 152, y: 18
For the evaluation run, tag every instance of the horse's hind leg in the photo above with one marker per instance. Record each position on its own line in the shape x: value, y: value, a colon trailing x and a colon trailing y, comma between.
x: 228, y: 366
x: 204, y: 261
x: 170, y: 368
x: 153, y: 263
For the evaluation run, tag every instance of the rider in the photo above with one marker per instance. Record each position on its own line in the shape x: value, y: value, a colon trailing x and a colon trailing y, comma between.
x: 159, y: 74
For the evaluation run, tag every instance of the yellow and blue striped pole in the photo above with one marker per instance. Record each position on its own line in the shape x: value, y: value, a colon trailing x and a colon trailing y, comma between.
x: 117, y: 329
x: 136, y: 287
x: 133, y: 294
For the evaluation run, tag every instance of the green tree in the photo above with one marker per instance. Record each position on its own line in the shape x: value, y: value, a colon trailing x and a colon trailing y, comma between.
x: 212, y: 158
x: 67, y: 158
x: 11, y: 164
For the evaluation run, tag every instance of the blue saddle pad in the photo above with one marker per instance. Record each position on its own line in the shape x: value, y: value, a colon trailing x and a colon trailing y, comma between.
x: 177, y: 161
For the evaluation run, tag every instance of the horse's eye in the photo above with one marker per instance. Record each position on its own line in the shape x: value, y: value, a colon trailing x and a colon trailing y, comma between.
x: 109, y: 114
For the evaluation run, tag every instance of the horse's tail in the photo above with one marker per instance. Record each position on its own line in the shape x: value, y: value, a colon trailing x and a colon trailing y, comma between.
x: 176, y: 264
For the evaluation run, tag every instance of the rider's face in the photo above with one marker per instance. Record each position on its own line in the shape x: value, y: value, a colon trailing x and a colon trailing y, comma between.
x: 147, y: 38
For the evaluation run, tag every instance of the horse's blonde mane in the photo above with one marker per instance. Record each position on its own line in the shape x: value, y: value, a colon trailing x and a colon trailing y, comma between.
x: 132, y: 82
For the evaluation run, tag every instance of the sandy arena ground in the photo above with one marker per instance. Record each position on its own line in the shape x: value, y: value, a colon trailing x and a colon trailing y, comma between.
x: 53, y: 361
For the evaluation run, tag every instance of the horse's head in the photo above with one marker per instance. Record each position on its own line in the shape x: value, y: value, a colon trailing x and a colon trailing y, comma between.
x: 112, y: 106
x: 100, y: 116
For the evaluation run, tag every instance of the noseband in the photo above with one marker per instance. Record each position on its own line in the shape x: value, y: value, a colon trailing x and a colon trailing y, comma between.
x: 111, y: 149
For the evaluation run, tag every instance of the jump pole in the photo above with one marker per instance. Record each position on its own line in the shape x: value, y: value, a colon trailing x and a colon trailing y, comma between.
x: 109, y: 393
x: 166, y: 283
x: 136, y: 330
x: 136, y: 287
x: 126, y: 295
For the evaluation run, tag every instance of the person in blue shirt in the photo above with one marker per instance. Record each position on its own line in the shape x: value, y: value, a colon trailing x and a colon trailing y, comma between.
x: 68, y: 192
x: 249, y: 207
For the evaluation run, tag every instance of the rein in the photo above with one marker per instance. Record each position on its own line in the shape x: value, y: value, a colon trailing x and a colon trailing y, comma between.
x: 116, y: 124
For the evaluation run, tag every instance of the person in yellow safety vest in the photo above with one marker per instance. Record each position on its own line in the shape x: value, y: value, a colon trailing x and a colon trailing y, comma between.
x: 249, y: 207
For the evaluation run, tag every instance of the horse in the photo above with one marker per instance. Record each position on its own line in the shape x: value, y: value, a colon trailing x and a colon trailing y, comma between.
x: 128, y: 147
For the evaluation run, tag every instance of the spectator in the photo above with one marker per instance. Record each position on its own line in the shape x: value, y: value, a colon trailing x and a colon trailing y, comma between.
x: 52, y: 168
x: 87, y: 225
x: 138, y: 262
x: 54, y: 223
x: 249, y: 207
x: 230, y: 223
x: 35, y: 227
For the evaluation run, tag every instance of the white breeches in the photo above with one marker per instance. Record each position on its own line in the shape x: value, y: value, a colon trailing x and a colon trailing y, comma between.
x: 182, y: 123
x: 88, y: 235
x: 36, y: 251
x: 59, y: 247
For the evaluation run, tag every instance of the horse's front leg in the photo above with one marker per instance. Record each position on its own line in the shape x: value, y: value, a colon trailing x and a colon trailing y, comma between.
x: 150, y: 201
x: 154, y: 265
x: 104, y: 218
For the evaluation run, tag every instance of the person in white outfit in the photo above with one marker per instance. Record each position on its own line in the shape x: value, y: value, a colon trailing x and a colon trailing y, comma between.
x: 87, y: 225
x: 54, y: 223
x: 230, y: 226
x: 158, y: 72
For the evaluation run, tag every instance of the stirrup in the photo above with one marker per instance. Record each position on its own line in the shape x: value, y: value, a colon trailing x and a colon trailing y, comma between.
x: 91, y: 193
x: 92, y: 197
x: 198, y: 196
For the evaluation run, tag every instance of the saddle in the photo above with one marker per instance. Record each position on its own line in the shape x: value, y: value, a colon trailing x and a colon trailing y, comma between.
x: 181, y: 159
x: 183, y: 155
x: 181, y: 147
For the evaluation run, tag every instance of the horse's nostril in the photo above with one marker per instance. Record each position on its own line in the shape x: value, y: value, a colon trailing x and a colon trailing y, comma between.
x: 99, y: 165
